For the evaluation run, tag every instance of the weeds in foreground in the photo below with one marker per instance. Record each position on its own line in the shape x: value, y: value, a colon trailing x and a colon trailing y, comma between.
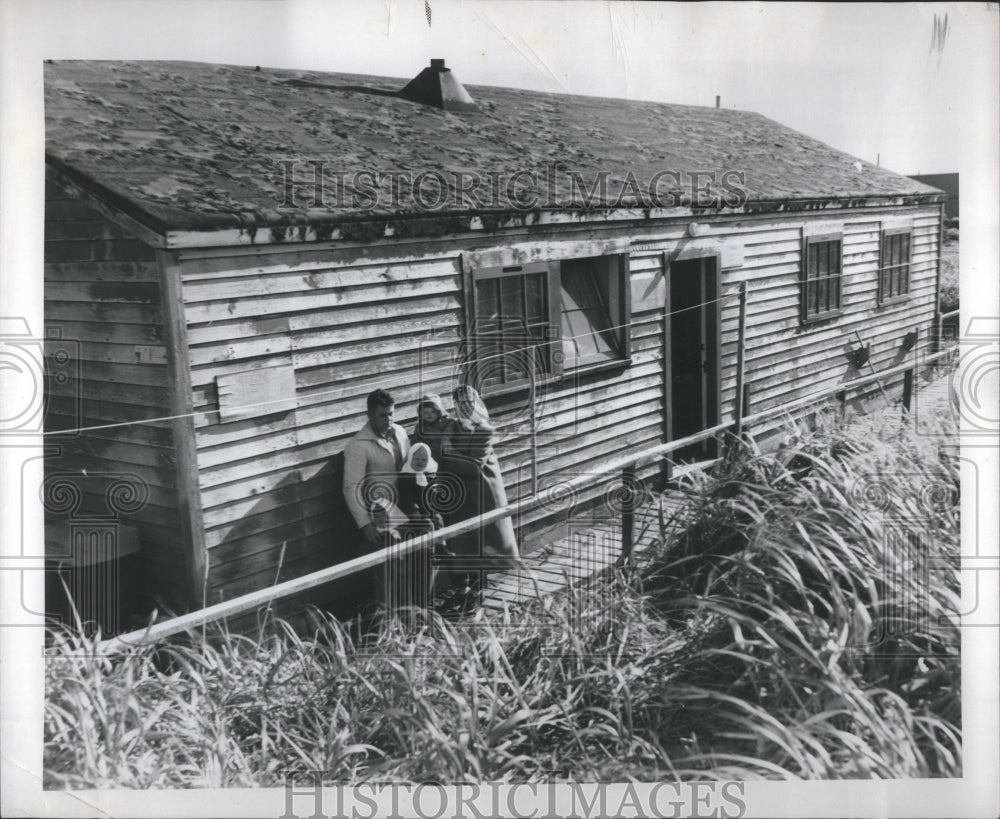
x: 801, y: 624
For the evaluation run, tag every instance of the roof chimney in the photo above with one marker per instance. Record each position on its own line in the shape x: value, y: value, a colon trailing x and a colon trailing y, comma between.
x: 437, y: 86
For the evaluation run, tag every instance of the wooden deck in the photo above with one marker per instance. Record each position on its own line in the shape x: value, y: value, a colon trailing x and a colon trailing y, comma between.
x: 595, y: 544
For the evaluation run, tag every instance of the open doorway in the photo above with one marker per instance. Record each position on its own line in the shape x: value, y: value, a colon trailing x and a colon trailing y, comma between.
x: 694, y: 354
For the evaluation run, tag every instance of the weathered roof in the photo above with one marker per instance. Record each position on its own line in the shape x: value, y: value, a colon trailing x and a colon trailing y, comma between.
x: 192, y: 145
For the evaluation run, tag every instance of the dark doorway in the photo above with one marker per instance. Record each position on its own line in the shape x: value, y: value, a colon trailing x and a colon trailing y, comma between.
x: 694, y: 354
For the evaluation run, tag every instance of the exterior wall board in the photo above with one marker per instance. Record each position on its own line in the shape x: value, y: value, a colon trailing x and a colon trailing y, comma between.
x: 102, y: 294
x: 269, y: 485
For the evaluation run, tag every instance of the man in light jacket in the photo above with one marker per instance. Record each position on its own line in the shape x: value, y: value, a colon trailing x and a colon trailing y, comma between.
x: 372, y: 460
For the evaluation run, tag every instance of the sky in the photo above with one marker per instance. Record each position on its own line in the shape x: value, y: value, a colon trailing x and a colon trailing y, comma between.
x: 862, y: 77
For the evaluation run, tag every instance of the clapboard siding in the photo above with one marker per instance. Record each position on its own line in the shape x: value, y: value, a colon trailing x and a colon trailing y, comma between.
x: 102, y: 295
x: 328, y: 324
x: 345, y: 329
x: 346, y: 322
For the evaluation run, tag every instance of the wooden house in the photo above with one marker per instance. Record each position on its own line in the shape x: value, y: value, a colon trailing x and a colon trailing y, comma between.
x: 228, y: 250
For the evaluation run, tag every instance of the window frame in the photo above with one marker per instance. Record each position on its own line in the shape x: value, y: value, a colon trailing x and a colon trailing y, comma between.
x: 619, y: 313
x: 881, y: 297
x: 805, y: 317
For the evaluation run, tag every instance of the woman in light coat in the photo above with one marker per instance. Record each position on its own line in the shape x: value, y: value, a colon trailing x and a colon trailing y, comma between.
x: 467, y: 453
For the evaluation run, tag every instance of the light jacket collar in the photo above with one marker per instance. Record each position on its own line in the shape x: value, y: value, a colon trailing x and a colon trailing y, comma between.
x: 369, y: 434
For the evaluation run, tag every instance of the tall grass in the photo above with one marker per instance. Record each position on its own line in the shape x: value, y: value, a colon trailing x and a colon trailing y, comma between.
x: 802, y: 624
x: 827, y: 583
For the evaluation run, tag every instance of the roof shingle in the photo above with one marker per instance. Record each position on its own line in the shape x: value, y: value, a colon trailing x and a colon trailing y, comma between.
x: 188, y: 145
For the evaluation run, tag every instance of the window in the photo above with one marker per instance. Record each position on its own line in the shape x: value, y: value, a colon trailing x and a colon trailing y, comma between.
x: 537, y: 321
x: 894, y: 265
x: 821, y: 272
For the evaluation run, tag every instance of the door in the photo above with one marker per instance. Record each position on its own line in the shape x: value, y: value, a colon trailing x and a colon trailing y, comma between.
x: 694, y: 353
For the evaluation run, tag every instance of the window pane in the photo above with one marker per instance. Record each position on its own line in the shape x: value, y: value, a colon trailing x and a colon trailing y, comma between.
x: 887, y: 260
x: 602, y: 338
x: 812, y: 271
x: 513, y: 314
x: 894, y: 276
x: 512, y: 300
x: 486, y: 304
x: 822, y: 280
x: 904, y: 264
x: 512, y: 327
x: 570, y: 348
x: 587, y: 328
x: 835, y: 270
x: 822, y: 291
x: 535, y: 307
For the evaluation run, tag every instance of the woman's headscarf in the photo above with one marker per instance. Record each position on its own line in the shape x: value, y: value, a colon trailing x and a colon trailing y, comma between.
x: 469, y: 407
x: 410, y: 468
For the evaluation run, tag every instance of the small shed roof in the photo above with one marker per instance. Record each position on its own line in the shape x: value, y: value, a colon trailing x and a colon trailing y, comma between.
x: 181, y: 145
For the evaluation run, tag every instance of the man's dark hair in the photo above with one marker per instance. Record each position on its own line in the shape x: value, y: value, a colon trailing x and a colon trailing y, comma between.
x: 379, y: 398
